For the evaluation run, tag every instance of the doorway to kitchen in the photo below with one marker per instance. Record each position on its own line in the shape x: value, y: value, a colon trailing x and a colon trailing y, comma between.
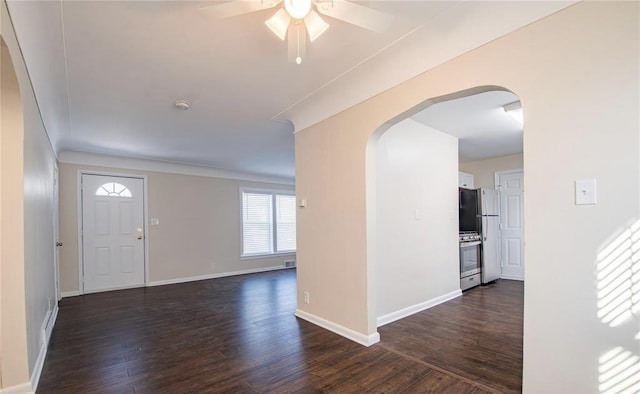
x: 413, y: 203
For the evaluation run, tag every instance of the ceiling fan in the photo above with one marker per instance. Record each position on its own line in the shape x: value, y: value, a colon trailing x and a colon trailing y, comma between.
x: 298, y: 19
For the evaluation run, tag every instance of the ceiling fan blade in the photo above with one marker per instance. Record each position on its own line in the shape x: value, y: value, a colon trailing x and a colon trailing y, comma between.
x: 315, y: 25
x: 279, y: 23
x: 355, y: 14
x: 238, y: 7
x: 296, y: 42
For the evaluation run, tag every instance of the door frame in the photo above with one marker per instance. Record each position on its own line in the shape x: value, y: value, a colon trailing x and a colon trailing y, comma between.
x: 145, y: 215
x: 496, y: 186
x: 56, y: 230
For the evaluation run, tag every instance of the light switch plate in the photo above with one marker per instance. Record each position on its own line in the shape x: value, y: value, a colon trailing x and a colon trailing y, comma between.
x: 155, y: 221
x: 586, y: 192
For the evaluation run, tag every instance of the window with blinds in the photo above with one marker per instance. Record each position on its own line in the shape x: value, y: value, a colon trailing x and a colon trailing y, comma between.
x: 268, y: 223
x: 285, y: 223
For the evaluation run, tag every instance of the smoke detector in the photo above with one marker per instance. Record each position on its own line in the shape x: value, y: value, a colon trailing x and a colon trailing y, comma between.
x: 182, y: 105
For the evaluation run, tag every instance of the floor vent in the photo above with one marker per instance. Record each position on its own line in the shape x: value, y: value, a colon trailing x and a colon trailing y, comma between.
x: 290, y: 264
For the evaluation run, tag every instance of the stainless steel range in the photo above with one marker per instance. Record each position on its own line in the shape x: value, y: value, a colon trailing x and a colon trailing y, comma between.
x: 470, y: 259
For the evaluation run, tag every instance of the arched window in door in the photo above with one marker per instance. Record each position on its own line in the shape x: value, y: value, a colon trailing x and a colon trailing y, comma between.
x: 113, y: 189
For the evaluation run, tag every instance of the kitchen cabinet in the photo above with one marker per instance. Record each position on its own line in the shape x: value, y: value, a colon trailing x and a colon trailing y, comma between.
x: 465, y: 180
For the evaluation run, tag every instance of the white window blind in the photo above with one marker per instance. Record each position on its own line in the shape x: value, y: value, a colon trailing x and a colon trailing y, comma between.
x: 268, y: 222
x: 257, y: 223
x: 285, y: 223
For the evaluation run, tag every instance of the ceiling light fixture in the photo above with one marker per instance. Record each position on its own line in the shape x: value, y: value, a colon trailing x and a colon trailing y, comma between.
x: 515, y: 111
x: 300, y: 15
x: 297, y: 20
x: 298, y: 9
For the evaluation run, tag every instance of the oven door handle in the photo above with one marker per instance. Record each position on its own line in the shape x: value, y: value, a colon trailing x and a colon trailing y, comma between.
x: 468, y: 244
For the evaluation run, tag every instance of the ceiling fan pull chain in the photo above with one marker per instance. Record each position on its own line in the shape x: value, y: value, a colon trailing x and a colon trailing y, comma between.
x: 299, y: 58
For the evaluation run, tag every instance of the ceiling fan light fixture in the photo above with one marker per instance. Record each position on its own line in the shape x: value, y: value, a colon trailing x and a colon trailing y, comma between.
x: 298, y: 9
x: 315, y: 25
x: 279, y: 23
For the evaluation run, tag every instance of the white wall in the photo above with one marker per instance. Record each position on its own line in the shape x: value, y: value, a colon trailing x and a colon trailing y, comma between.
x: 417, y: 219
x: 28, y: 288
x: 577, y: 75
x: 199, y: 233
x: 484, y: 170
x: 39, y: 242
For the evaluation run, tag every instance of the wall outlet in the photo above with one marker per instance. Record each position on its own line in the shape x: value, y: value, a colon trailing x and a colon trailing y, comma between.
x: 289, y: 263
x: 306, y: 297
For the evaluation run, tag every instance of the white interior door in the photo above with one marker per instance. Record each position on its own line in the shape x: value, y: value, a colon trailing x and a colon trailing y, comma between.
x: 511, y: 186
x: 112, y: 232
x: 56, y: 241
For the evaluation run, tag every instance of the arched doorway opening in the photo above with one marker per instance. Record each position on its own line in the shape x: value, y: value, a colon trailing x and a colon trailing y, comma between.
x: 414, y: 254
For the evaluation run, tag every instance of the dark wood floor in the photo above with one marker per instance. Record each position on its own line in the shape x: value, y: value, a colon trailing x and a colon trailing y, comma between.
x: 239, y: 335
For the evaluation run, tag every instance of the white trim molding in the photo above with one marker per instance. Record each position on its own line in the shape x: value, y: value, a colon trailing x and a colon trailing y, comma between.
x: 190, y: 279
x: 24, y: 388
x: 72, y: 293
x: 45, y: 336
x: 362, y: 339
x: 511, y: 277
x: 215, y: 276
x: 410, y: 310
x: 171, y: 167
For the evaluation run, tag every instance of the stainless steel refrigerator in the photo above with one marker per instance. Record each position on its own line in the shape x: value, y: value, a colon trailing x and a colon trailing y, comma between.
x: 489, y: 228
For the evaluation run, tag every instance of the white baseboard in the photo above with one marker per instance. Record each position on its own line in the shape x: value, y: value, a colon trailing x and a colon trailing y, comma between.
x: 45, y: 333
x: 136, y: 286
x: 410, y: 310
x: 215, y: 276
x: 511, y: 277
x: 46, y: 329
x: 366, y: 340
x: 66, y: 294
x: 24, y: 388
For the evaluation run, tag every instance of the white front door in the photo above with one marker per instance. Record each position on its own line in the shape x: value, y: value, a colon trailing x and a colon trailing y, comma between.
x: 511, y: 186
x: 112, y: 232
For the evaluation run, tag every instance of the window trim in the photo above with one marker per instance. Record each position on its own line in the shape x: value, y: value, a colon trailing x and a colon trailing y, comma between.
x: 274, y: 226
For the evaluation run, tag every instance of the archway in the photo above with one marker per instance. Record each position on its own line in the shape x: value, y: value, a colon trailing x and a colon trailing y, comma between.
x: 13, y: 345
x: 412, y: 229
x: 581, y: 123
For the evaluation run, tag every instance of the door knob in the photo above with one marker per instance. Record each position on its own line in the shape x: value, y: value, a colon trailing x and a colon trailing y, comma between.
x: 139, y: 237
x: 58, y: 243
